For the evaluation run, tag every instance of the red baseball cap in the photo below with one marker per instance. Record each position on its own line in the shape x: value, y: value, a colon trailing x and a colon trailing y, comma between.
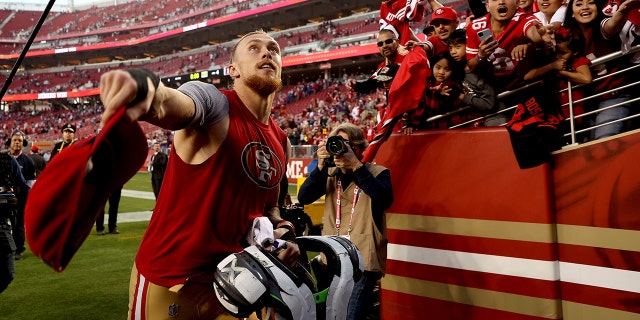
x: 72, y: 191
x: 445, y: 13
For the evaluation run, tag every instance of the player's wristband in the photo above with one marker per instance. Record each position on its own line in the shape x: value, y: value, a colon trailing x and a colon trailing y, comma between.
x: 286, y: 225
x: 141, y: 75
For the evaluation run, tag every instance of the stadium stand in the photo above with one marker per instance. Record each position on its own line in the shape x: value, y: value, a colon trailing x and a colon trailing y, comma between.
x: 317, y: 36
x: 207, y: 57
x: 61, y: 29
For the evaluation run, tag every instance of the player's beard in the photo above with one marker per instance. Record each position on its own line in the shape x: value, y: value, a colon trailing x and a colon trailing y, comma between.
x: 262, y: 86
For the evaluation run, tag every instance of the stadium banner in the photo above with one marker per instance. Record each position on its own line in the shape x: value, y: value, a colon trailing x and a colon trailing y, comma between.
x: 297, y: 168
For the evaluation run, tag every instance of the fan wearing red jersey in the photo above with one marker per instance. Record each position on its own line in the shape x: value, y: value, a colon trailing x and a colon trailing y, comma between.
x: 505, y: 27
x: 445, y: 21
x: 226, y: 165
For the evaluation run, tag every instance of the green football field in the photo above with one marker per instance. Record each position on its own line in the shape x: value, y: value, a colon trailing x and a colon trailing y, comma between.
x: 94, y: 285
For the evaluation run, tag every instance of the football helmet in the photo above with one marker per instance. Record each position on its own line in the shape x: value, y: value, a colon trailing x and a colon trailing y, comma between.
x: 252, y: 279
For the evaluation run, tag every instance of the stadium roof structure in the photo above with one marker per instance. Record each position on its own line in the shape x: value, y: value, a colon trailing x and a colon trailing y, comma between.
x: 284, y: 14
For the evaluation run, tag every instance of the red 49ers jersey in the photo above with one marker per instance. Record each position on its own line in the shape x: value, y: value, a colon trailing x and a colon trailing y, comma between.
x: 515, y: 34
x: 398, y: 13
x: 204, y: 210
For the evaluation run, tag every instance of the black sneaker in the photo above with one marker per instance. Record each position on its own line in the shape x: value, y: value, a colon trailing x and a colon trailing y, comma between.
x: 101, y: 232
x: 114, y: 231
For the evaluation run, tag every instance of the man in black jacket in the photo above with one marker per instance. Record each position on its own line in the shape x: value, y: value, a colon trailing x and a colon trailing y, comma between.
x: 157, y: 168
x: 17, y: 142
x: 12, y: 183
x: 68, y: 134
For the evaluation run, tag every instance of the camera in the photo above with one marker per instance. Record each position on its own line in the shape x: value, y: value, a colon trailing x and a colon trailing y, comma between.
x: 337, y: 145
x: 8, y: 202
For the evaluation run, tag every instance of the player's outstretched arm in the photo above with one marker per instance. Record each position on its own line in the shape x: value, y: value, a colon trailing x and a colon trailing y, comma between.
x: 145, y: 98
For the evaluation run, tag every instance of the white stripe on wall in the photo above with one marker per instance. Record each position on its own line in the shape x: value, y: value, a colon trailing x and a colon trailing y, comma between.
x: 517, y: 267
x: 610, y: 278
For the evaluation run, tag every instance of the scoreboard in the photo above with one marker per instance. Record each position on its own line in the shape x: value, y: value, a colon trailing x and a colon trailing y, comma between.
x: 212, y: 76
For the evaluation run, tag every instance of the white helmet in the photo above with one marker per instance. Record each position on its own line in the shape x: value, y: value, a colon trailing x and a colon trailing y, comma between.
x: 250, y: 280
x: 344, y: 267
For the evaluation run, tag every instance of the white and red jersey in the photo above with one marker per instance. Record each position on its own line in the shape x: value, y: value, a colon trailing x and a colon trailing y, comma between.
x: 204, y: 210
x: 515, y: 34
x: 398, y: 13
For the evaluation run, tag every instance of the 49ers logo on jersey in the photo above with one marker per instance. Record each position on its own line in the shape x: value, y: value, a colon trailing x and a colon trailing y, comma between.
x: 262, y: 165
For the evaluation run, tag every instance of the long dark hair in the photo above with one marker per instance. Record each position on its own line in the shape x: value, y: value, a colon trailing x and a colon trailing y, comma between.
x: 571, y: 23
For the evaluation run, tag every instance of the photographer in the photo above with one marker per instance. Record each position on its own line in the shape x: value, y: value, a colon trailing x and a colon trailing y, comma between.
x: 10, y: 176
x: 356, y: 196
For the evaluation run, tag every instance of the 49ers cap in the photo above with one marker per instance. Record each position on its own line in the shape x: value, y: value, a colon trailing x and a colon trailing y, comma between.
x: 444, y: 13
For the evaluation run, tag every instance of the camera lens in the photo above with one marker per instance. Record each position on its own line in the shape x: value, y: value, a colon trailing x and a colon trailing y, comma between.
x: 335, y: 145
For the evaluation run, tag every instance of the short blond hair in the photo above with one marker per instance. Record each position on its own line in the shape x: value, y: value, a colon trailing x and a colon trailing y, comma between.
x: 235, y: 46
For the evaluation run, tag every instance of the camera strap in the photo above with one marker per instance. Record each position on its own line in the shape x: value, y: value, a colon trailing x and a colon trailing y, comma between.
x: 356, y: 194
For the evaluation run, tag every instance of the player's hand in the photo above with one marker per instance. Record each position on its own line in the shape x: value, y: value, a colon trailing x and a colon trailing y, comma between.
x: 117, y: 90
x: 290, y: 253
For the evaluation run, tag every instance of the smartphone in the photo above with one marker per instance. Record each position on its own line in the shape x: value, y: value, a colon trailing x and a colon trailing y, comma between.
x: 484, y: 34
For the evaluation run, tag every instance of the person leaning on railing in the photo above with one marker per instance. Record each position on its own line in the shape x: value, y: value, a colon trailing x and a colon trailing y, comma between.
x: 601, y: 34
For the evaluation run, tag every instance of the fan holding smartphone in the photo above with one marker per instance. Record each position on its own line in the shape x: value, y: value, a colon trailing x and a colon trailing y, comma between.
x: 485, y: 34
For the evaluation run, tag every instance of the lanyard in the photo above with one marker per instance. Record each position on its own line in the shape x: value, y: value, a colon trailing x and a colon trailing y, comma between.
x: 356, y: 193
x: 62, y: 145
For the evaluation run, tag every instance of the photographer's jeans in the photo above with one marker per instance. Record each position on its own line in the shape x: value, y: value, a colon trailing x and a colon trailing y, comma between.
x: 618, y: 112
x: 361, y: 296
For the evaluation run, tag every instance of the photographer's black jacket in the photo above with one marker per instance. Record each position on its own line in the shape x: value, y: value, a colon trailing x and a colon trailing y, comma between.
x: 377, y: 188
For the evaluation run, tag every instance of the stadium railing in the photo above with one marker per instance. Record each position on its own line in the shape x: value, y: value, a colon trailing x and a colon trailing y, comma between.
x: 574, y: 132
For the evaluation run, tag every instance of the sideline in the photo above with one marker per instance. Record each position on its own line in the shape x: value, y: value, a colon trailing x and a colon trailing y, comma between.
x: 138, y: 194
x: 142, y: 215
x: 134, y: 216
